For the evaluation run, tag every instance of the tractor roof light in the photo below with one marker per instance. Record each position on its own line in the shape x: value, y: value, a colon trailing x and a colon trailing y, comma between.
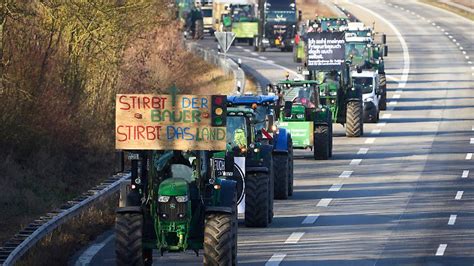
x: 182, y: 199
x: 163, y: 199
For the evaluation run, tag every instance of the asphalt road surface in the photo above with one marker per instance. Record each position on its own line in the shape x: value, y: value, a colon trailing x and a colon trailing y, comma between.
x: 401, y: 195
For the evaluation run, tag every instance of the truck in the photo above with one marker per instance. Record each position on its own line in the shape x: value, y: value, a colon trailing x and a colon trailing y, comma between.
x: 206, y: 11
x: 267, y: 110
x: 368, y: 82
x: 245, y: 140
x: 174, y: 201
x: 306, y: 116
x: 240, y: 18
x: 279, y: 25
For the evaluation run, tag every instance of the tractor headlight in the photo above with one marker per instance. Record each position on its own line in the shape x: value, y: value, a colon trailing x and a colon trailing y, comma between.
x: 370, y: 99
x: 163, y: 198
x: 256, y: 150
x: 333, y: 93
x: 182, y: 198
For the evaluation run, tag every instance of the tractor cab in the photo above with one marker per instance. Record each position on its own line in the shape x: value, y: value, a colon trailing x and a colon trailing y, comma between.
x: 303, y: 96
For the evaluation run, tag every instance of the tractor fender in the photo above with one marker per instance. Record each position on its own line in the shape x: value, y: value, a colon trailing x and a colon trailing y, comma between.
x: 281, y: 141
x: 353, y: 94
x: 227, y: 190
x: 323, y: 117
x: 256, y: 169
x: 218, y: 209
x: 129, y: 209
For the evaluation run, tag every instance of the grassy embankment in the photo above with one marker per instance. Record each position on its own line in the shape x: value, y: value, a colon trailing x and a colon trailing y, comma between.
x: 61, y: 65
x: 462, y: 12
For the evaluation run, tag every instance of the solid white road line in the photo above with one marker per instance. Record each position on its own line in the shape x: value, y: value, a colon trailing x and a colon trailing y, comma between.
x: 375, y: 131
x: 363, y: 151
x: 465, y: 174
x: 294, y: 238
x: 324, y: 203
x: 459, y: 195
x: 469, y: 156
x: 335, y: 188
x: 346, y: 174
x: 86, y: 257
x: 355, y: 161
x: 369, y: 140
x: 310, y: 219
x: 262, y: 57
x: 441, y: 249
x: 275, y: 260
x: 386, y: 116
x: 381, y: 124
x: 452, y: 219
x: 406, y: 54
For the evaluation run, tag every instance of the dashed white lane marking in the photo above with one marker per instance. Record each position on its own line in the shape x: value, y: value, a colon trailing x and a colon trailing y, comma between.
x: 294, y: 238
x: 442, y: 30
x: 355, y: 161
x: 438, y: 27
x: 381, y: 124
x: 390, y: 108
x: 254, y: 53
x: 459, y: 195
x: 369, y: 140
x: 450, y: 37
x: 396, y: 96
x: 460, y: 48
x: 346, y: 174
x: 86, y: 257
x: 446, y: 33
x: 262, y: 57
x: 465, y: 174
x: 467, y: 57
x: 386, y: 116
x: 454, y: 40
x: 239, y: 47
x: 310, y: 219
x: 472, y: 69
x: 247, y: 50
x: 469, y: 62
x: 271, y: 61
x: 469, y: 156
x: 335, y: 188
x: 441, y: 249
x: 472, y: 141
x: 275, y: 260
x: 463, y: 52
x: 434, y: 24
x: 363, y: 151
x: 452, y: 219
x: 406, y: 53
x: 458, y: 44
x: 399, y: 91
x: 324, y: 203
x: 375, y: 131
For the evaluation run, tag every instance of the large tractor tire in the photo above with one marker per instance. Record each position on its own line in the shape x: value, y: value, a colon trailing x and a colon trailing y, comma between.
x: 290, y: 168
x: 128, y: 239
x: 199, y: 30
x: 354, y: 119
x: 330, y: 139
x: 271, y: 191
x: 321, y: 142
x: 383, y: 97
x: 235, y: 226
x: 257, y: 199
x: 218, y: 239
x: 281, y: 171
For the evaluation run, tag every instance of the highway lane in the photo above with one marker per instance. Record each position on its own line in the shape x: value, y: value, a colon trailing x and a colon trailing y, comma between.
x: 394, y: 205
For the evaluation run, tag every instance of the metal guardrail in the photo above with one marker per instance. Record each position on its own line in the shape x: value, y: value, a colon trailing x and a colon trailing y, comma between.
x: 225, y: 63
x: 35, y: 231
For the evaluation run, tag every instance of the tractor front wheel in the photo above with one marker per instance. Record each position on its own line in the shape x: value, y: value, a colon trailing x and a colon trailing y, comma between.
x: 257, y: 199
x: 354, y: 120
x: 281, y: 170
x: 321, y: 142
x: 218, y: 239
x: 290, y: 168
x: 128, y: 239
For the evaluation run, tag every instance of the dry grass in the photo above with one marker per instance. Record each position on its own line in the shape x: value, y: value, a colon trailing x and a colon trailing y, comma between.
x: 468, y: 3
x: 453, y: 9
x: 311, y: 8
x: 57, y: 247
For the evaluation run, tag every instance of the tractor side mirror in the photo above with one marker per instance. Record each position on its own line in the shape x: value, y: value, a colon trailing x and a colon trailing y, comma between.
x: 384, y: 38
x: 385, y: 50
x: 259, y: 136
x: 270, y: 122
x: 287, y: 108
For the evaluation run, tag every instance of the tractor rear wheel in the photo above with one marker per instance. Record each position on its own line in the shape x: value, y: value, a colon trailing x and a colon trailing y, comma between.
x: 354, y: 120
x: 330, y: 138
x: 128, y: 239
x: 321, y: 142
x: 383, y: 97
x: 290, y: 168
x: 218, y: 239
x: 271, y: 190
x: 235, y: 226
x: 281, y: 172
x: 257, y: 199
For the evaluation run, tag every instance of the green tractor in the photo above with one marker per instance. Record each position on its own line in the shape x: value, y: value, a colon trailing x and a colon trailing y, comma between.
x: 257, y: 188
x: 242, y: 21
x: 175, y: 201
x: 306, y: 116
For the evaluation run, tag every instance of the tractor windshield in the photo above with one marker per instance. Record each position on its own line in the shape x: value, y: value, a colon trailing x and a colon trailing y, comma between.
x: 261, y: 115
x: 236, y: 131
x: 281, y: 16
x: 242, y: 13
x: 302, y: 95
x: 358, y: 51
x: 365, y: 84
